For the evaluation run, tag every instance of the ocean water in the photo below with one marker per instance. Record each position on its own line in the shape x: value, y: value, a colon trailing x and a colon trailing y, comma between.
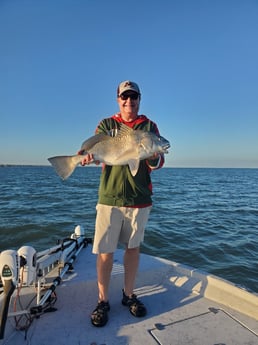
x: 205, y: 218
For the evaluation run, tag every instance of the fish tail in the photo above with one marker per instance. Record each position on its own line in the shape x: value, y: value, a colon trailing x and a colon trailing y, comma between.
x: 65, y: 165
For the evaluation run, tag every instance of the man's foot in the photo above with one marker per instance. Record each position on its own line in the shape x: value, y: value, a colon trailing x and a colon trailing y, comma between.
x: 136, y: 307
x: 99, y: 316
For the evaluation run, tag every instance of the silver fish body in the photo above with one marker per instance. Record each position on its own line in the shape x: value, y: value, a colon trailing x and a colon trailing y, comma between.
x: 128, y: 146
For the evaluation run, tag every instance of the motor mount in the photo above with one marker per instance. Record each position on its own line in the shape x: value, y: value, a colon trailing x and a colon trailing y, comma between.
x: 78, y: 232
x: 27, y: 255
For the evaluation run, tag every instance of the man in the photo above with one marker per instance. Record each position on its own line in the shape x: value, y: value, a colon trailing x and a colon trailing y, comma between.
x: 123, y: 207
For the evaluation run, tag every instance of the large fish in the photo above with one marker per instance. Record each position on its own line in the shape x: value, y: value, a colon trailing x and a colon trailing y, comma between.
x: 129, y: 146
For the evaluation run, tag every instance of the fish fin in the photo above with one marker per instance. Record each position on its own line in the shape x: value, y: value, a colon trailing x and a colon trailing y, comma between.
x: 123, y: 130
x: 65, y: 165
x: 92, y: 141
x: 133, y: 166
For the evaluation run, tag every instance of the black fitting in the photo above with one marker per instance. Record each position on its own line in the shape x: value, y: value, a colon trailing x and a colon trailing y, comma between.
x: 36, y: 310
x: 56, y: 281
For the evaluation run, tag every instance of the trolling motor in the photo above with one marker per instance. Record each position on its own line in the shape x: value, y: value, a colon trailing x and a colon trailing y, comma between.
x: 9, y: 271
x: 15, y: 265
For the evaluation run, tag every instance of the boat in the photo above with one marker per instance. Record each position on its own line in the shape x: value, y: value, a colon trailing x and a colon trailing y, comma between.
x: 47, y: 298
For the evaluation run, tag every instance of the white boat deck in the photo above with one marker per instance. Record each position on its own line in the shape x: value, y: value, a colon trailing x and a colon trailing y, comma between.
x: 184, y: 306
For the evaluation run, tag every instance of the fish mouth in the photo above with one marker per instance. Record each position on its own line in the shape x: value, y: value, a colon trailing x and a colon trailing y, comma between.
x: 165, y: 148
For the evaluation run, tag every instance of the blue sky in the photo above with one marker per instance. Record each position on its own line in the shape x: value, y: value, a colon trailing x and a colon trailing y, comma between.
x: 195, y: 61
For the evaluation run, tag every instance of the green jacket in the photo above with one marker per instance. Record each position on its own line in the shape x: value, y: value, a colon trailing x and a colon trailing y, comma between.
x: 117, y: 185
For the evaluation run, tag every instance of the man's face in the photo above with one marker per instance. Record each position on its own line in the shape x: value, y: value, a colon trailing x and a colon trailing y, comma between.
x: 129, y: 102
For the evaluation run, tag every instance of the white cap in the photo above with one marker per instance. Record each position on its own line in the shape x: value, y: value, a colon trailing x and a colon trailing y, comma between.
x: 127, y: 85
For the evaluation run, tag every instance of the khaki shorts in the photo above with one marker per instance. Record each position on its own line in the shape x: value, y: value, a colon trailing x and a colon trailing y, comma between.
x: 119, y: 225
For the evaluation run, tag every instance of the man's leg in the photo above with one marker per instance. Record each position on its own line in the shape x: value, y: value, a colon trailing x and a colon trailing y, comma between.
x: 131, y: 263
x: 99, y: 316
x: 104, y: 268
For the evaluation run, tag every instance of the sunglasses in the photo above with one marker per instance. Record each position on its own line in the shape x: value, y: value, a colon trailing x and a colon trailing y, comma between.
x: 133, y: 96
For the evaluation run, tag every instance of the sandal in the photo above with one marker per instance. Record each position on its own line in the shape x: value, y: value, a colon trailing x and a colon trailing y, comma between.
x: 99, y: 316
x: 136, y: 307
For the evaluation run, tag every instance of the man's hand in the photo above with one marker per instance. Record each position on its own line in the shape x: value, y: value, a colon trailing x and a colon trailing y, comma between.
x: 87, y: 159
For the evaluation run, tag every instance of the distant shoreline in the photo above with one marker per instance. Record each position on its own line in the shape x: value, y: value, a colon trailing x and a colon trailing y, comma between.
x: 22, y: 165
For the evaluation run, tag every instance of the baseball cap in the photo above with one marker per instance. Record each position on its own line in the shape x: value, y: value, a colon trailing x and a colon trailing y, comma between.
x: 127, y: 85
